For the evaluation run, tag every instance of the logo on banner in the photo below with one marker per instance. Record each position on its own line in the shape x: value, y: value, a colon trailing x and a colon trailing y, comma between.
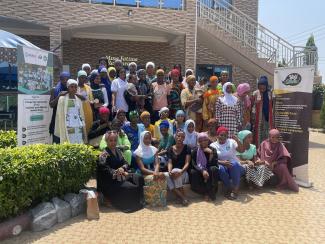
x: 34, y: 56
x: 292, y: 79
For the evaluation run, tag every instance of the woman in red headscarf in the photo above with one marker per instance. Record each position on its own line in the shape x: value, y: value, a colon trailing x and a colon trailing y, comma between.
x: 174, y: 97
x: 274, y: 154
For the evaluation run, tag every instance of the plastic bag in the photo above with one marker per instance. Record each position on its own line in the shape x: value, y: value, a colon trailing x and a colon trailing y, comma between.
x: 92, y: 204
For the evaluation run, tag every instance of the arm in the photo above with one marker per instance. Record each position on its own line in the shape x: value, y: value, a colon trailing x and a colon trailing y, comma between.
x: 213, y: 161
x: 194, y: 163
x: 82, y: 98
x: 97, y: 130
x: 143, y: 169
x: 54, y: 100
x: 240, y: 147
x: 218, y: 109
x: 187, y: 163
x: 205, y: 109
x: 106, y: 103
x: 170, y: 166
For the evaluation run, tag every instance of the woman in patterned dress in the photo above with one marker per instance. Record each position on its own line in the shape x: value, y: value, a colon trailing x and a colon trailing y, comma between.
x: 174, y: 97
x: 99, y: 94
x: 228, y: 112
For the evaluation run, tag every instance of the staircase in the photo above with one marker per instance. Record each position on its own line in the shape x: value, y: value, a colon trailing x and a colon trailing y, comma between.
x: 246, y: 43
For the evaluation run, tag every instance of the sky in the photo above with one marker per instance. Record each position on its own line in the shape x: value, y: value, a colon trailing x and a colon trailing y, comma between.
x: 295, y: 21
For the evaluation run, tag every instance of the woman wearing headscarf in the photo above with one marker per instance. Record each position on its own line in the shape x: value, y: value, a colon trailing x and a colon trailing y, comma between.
x: 224, y: 78
x: 56, y: 92
x: 209, y: 102
x: 230, y: 169
x: 111, y: 74
x: 85, y: 91
x: 103, y: 61
x: 243, y: 91
x: 70, y: 118
x: 118, y: 65
x: 179, y: 68
x: 145, y: 119
x: 256, y: 171
x: 123, y: 189
x: 190, y: 134
x: 155, y: 189
x: 174, y: 97
x: 192, y: 100
x: 132, y: 130
x: 119, y: 86
x: 163, y: 115
x: 179, y: 158
x: 86, y: 68
x: 150, y: 69
x: 123, y: 143
x: 262, y: 111
x: 204, y: 172
x: 99, y: 94
x: 213, y: 126
x: 274, y: 155
x: 121, y: 116
x: 228, y: 112
x: 166, y: 141
x: 179, y: 122
x: 189, y: 72
x: 107, y: 84
x: 145, y: 90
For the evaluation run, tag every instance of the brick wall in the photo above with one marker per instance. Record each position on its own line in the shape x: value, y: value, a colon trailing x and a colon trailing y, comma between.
x: 40, y: 41
x: 249, y: 7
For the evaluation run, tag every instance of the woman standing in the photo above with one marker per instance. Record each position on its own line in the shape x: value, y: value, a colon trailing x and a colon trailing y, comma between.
x: 99, y: 94
x: 111, y: 74
x: 228, y: 112
x: 70, y: 118
x: 150, y: 69
x: 243, y: 91
x: 123, y: 189
x: 213, y: 126
x: 155, y: 189
x: 145, y: 90
x: 230, y: 169
x: 119, y: 86
x: 275, y: 156
x: 204, y: 173
x: 190, y: 134
x: 209, y: 102
x: 179, y: 122
x: 262, y: 111
x: 256, y: 171
x: 85, y: 91
x: 179, y: 157
x: 174, y: 97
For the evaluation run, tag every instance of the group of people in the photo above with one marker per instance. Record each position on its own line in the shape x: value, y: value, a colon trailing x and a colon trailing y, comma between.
x: 159, y: 131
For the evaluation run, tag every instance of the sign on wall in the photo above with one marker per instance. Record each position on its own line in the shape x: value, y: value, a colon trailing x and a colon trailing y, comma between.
x: 293, y: 107
x: 125, y: 60
x: 35, y: 77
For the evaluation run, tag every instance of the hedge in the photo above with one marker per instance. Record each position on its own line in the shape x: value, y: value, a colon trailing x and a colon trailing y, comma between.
x: 8, y: 138
x: 31, y: 174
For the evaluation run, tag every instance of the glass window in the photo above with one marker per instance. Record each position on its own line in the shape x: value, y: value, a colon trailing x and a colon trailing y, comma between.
x: 102, y: 1
x: 149, y: 3
x: 126, y: 2
x: 207, y: 70
x: 8, y: 77
x: 173, y: 4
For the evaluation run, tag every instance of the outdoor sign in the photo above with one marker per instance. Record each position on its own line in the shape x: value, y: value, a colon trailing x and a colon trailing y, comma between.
x: 293, y: 109
x: 35, y: 76
x: 125, y: 60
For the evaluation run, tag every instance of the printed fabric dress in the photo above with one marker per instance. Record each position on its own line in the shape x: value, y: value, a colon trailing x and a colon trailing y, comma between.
x: 174, y: 99
x: 74, y: 122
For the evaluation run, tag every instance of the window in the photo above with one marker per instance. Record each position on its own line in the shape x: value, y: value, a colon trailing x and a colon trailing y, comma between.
x: 208, y: 70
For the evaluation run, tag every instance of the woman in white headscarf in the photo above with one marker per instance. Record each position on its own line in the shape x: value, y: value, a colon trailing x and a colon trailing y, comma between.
x: 228, y: 111
x: 190, y: 134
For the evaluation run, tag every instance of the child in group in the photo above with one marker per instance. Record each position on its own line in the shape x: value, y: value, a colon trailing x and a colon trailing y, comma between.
x: 165, y: 142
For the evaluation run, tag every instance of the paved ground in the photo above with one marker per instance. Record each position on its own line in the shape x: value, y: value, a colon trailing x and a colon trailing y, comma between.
x: 264, y: 216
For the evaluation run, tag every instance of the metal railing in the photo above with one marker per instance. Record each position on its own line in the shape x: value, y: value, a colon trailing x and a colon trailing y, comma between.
x: 252, y: 35
x: 162, y: 4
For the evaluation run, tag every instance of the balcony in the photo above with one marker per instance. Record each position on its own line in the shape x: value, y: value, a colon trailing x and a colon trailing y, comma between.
x: 161, y: 4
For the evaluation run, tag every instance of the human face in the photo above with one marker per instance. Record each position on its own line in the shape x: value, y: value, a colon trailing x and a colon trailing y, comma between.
x: 203, y: 142
x: 82, y: 80
x: 180, y: 137
x: 104, y: 117
x: 111, y: 140
x: 212, y: 126
x: 87, y: 69
x: 118, y: 65
x: 164, y: 131
x: 222, y: 137
x: 164, y: 115
x: 175, y: 78
x: 103, y: 74
x: 224, y: 78
x: 146, y: 120
x: 122, y: 74
x: 97, y: 80
x: 190, y: 128
x: 262, y: 88
x: 103, y: 63
x: 191, y: 84
x: 229, y: 89
x: 147, y: 139
x: 178, y: 67
x: 142, y: 76
x: 132, y: 68
x: 133, y: 80
x: 112, y: 73
x: 248, y: 139
x: 72, y: 89
x: 134, y: 119
x: 274, y: 138
x: 150, y: 70
x: 116, y: 125
x: 188, y: 73
x: 213, y: 83
x: 180, y: 118
x: 160, y: 78
x: 121, y: 116
x: 64, y: 81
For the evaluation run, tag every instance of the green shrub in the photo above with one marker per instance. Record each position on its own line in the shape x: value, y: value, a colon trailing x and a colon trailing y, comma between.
x: 31, y: 174
x: 8, y: 138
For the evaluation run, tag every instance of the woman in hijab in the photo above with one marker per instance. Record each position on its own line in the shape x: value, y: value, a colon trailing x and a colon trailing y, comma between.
x: 190, y: 134
x: 166, y: 141
x: 163, y: 115
x: 119, y: 86
x: 122, y: 188
x: 213, y: 126
x: 70, y: 118
x: 228, y: 112
x: 85, y: 91
x: 230, y: 169
x: 243, y: 91
x: 274, y: 155
x: 189, y: 72
x: 121, y: 116
x: 145, y: 90
x: 204, y: 173
x: 56, y: 92
x: 179, y: 158
x: 107, y: 83
x: 179, y: 68
x: 155, y: 189
x: 179, y: 122
x: 99, y: 94
x: 111, y: 74
x: 224, y: 78
x: 262, y: 111
x: 174, y: 97
x: 150, y: 70
x: 256, y: 171
x: 209, y: 102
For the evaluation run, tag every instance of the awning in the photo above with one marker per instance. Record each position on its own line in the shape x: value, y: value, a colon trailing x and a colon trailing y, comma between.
x: 9, y: 40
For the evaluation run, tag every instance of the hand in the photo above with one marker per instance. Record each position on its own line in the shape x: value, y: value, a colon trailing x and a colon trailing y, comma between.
x: 161, y: 175
x: 207, y: 150
x: 250, y: 164
x: 205, y: 175
x: 63, y: 93
x: 228, y: 164
x: 125, y: 173
x: 155, y: 175
x: 120, y: 171
x: 269, y: 165
x: 114, y: 108
x: 235, y: 138
x: 175, y: 175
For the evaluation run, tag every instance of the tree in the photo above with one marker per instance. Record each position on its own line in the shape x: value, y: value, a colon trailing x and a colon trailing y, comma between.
x: 311, y: 52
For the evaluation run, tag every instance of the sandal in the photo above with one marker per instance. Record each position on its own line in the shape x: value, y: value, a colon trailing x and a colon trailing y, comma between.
x: 185, y: 202
x: 231, y: 196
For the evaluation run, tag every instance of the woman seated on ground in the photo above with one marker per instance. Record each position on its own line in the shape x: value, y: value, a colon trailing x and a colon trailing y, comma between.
x: 155, y: 189
x: 179, y: 157
x: 123, y: 189
x: 123, y: 143
x: 166, y: 141
x: 230, y: 169
x: 274, y: 155
x: 99, y: 127
x: 145, y: 119
x: 179, y: 121
x: 190, y: 134
x: 121, y: 116
x: 212, y: 130
x: 204, y: 172
x: 256, y: 171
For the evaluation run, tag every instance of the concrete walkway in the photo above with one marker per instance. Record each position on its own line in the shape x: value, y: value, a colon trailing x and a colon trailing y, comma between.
x: 259, y: 216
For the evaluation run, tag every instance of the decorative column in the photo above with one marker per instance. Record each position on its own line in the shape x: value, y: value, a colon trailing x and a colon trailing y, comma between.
x: 56, y: 41
x: 191, y: 35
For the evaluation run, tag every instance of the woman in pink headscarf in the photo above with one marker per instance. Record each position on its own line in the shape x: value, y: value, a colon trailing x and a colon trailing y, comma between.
x: 274, y: 154
x: 243, y: 91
